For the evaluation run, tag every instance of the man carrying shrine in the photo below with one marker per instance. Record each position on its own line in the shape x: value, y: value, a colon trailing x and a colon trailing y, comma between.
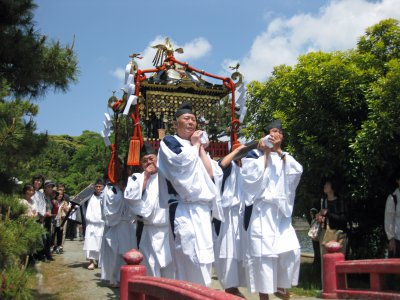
x: 187, y: 189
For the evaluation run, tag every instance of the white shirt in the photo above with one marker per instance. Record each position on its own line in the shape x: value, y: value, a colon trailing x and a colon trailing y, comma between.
x: 392, y: 216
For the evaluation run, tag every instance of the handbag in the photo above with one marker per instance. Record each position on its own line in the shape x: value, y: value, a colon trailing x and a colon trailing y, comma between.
x: 329, y: 235
x: 315, y: 230
x: 333, y: 235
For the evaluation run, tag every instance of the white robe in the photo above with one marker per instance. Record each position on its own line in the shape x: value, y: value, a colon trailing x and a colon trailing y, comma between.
x: 228, y: 243
x: 40, y: 202
x: 94, y: 228
x: 119, y: 232
x: 155, y: 239
x: 271, y: 191
x: 196, y: 194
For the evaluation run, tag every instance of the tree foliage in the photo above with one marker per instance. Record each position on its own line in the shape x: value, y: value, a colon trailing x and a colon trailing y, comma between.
x: 74, y: 161
x: 29, y: 63
x: 340, y: 114
x: 29, y: 67
x: 19, y: 236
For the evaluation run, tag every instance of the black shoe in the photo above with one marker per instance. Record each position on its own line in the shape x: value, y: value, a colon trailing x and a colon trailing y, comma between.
x: 49, y: 258
x: 42, y: 258
x: 235, y: 291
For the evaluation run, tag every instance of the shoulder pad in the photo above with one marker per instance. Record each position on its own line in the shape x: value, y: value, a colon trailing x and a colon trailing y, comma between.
x: 173, y: 144
x: 253, y: 154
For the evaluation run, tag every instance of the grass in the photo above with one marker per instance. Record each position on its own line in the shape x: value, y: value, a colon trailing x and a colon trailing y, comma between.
x: 309, y: 280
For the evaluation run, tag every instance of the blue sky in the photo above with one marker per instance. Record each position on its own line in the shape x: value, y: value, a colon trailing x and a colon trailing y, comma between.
x: 259, y: 34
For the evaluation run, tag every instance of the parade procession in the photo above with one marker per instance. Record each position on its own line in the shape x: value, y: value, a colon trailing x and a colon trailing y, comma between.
x: 182, y: 191
x: 199, y: 150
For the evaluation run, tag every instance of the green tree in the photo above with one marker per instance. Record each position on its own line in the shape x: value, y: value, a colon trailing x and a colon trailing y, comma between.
x: 340, y: 113
x: 89, y: 162
x: 29, y: 63
x: 29, y: 67
x: 18, y: 142
x: 74, y: 161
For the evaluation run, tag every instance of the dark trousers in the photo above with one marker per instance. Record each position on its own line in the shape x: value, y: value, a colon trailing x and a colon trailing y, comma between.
x: 57, y: 236
x: 393, y: 279
x: 396, y: 253
x: 47, y: 238
x: 71, y: 230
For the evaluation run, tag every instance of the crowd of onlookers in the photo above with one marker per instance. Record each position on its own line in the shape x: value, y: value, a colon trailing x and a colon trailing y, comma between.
x: 48, y: 202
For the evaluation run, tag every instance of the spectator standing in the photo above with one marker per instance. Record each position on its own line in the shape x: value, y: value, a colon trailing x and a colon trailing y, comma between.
x: 334, y: 218
x: 28, y: 191
x: 392, y: 220
x: 61, y: 207
x: 38, y: 196
x: 31, y: 211
x: 48, y: 217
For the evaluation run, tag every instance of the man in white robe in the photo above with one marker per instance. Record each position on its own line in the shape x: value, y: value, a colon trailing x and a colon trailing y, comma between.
x: 187, y: 189
x: 229, y: 234
x: 270, y: 178
x: 119, y: 232
x: 94, y: 227
x: 142, y: 192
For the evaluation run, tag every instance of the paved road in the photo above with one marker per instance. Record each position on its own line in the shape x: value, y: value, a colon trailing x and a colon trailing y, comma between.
x: 68, y: 278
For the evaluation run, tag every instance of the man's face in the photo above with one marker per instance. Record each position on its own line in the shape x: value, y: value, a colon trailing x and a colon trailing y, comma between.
x: 276, y: 134
x: 186, y: 125
x: 48, y: 190
x: 149, y: 163
x: 98, y: 188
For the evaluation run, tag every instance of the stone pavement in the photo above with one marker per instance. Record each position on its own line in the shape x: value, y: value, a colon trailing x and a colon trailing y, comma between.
x: 68, y: 278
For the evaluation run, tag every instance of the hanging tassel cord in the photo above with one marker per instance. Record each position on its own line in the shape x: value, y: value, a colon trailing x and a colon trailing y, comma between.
x: 114, y: 167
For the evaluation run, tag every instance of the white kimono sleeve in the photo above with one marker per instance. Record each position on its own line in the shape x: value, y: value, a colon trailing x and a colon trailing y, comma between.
x: 253, y: 170
x: 292, y: 173
x: 137, y: 197
x: 217, y: 211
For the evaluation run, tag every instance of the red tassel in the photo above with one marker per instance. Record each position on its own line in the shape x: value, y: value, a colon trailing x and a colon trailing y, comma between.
x: 134, y: 152
x: 114, y: 167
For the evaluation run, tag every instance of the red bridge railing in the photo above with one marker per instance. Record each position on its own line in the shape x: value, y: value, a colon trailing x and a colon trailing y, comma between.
x: 337, y: 269
x: 135, y: 285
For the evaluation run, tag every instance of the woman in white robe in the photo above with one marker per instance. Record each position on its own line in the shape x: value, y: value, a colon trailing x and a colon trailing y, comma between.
x: 270, y: 178
x: 119, y: 233
x: 142, y: 193
x: 94, y: 227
